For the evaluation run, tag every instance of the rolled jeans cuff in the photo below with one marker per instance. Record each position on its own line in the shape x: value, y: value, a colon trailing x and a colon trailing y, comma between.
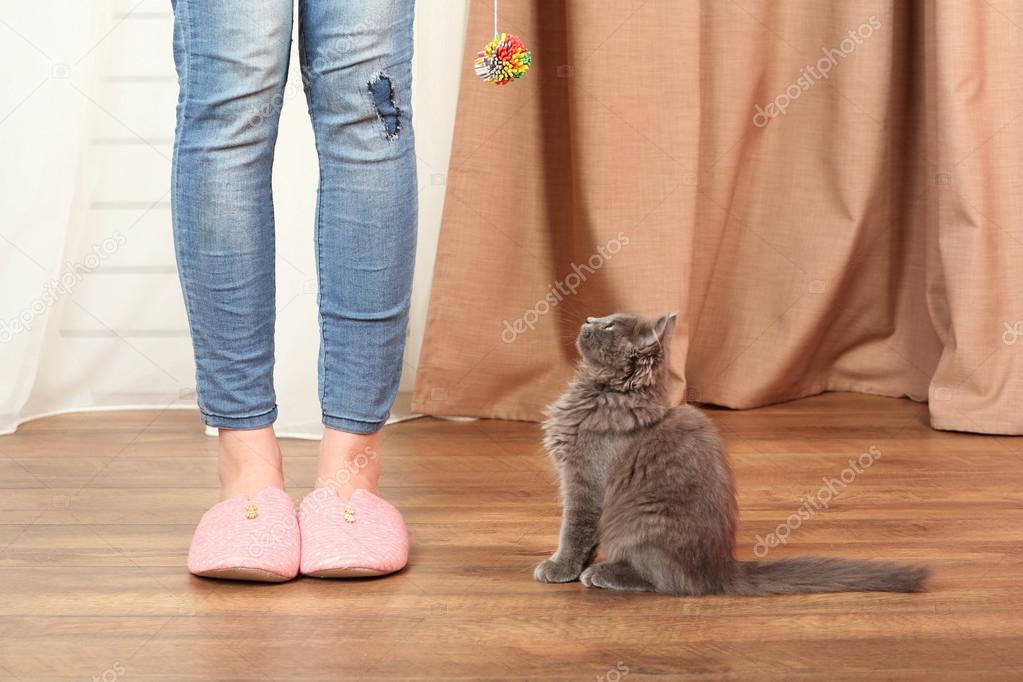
x: 353, y: 425
x: 240, y: 423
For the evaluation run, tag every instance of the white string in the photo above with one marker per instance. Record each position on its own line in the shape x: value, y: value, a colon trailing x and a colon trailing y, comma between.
x: 495, y: 17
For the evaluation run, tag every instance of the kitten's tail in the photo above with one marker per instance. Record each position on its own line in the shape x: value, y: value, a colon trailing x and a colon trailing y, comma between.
x: 820, y: 574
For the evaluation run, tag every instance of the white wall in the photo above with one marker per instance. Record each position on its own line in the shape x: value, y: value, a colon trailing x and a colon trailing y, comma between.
x: 86, y: 132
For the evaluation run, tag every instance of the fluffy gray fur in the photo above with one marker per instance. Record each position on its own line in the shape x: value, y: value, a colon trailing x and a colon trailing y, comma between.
x: 650, y: 484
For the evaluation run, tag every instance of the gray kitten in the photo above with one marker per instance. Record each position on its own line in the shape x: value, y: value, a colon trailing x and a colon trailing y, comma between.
x: 651, y: 485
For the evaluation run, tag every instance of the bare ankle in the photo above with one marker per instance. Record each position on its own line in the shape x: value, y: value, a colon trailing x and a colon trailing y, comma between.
x: 349, y: 462
x: 249, y: 461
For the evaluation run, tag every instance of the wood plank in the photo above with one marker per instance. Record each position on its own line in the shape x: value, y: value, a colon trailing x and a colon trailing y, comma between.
x: 96, y: 512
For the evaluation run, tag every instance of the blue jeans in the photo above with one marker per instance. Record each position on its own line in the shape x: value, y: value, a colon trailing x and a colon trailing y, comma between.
x: 232, y: 61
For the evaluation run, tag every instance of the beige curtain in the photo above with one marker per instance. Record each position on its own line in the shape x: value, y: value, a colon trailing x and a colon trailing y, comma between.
x: 829, y: 195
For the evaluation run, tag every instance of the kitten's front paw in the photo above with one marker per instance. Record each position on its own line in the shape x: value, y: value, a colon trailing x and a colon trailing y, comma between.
x: 587, y: 577
x: 594, y: 576
x: 551, y: 571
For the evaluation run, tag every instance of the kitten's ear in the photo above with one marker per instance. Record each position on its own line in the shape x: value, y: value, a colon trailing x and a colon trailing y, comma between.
x: 652, y: 352
x: 665, y: 325
x: 662, y: 331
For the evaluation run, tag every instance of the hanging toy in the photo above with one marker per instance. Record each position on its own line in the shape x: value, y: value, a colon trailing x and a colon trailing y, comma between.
x: 504, y: 59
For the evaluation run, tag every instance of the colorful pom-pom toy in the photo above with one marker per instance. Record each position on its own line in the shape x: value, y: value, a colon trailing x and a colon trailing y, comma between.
x: 503, y: 60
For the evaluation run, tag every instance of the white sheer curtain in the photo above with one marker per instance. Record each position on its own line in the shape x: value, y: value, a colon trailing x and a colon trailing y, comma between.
x: 91, y: 316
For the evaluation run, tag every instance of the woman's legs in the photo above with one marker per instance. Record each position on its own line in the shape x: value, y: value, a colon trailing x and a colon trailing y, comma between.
x: 356, y: 63
x: 232, y: 61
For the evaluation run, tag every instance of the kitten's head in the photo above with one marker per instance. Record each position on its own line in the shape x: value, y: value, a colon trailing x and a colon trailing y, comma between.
x: 625, y: 351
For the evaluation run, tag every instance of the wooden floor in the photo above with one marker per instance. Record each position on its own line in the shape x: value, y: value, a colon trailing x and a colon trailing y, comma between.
x: 96, y: 512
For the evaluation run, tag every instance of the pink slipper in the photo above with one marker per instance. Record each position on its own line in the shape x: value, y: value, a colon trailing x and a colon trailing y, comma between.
x: 362, y: 537
x: 248, y: 539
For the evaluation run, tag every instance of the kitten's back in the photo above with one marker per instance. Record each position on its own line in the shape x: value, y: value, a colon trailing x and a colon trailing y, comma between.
x: 670, y: 510
x: 670, y: 504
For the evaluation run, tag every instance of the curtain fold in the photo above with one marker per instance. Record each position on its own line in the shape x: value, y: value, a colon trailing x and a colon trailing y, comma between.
x: 826, y: 193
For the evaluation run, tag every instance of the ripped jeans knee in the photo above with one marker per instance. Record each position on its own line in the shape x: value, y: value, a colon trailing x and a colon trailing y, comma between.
x: 381, y: 89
